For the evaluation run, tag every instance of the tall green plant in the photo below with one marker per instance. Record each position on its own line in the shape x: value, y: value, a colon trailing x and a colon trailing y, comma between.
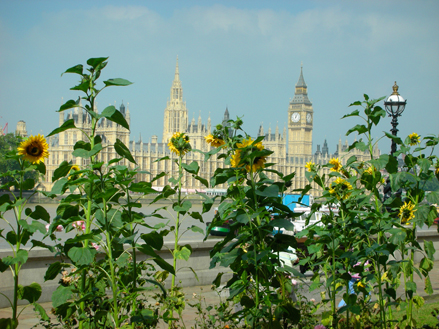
x: 369, y: 228
x: 101, y: 210
x: 28, y: 162
x: 253, y: 207
x: 181, y: 209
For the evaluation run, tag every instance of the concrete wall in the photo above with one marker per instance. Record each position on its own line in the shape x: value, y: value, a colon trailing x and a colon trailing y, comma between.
x: 40, y: 259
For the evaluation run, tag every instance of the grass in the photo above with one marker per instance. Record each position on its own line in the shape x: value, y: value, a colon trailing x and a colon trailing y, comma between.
x: 423, y: 315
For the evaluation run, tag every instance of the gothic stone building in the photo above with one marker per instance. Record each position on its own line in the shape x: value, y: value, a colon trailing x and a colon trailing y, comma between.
x: 289, y: 156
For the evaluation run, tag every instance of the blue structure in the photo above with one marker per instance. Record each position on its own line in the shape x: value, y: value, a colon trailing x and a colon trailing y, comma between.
x: 291, y: 200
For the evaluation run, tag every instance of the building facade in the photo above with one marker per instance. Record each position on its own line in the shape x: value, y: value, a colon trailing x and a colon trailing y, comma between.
x: 292, y: 148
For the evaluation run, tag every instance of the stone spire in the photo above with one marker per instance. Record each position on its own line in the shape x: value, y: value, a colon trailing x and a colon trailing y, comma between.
x: 176, y: 116
x: 209, y: 124
x: 176, y: 89
x: 261, y: 130
x: 301, y: 92
x: 226, y: 115
x: 301, y: 82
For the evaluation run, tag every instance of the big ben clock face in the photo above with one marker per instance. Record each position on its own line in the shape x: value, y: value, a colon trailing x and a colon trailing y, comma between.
x: 309, y: 118
x: 295, y: 117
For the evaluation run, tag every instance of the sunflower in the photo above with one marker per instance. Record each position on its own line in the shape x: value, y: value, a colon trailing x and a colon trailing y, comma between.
x: 407, y: 212
x: 415, y: 139
x: 215, y: 141
x: 310, y: 166
x: 340, y: 188
x: 179, y: 144
x: 34, y: 149
x: 245, y: 148
x: 72, y: 172
x: 336, y: 164
x: 370, y: 170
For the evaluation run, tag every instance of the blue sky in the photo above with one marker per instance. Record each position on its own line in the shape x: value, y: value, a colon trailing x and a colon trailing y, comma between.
x: 242, y: 54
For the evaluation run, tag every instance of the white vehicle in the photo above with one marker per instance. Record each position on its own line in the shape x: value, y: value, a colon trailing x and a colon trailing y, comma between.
x: 300, y: 222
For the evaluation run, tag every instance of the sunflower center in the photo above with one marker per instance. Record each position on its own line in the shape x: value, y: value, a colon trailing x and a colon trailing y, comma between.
x: 34, y: 150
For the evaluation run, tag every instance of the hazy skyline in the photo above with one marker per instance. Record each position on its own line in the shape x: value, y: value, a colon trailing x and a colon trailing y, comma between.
x: 242, y: 54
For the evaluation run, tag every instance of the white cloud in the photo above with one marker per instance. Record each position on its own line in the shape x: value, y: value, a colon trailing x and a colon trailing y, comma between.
x: 246, y: 58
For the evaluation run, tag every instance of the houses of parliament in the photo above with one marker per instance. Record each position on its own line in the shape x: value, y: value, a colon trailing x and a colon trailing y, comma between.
x: 292, y: 147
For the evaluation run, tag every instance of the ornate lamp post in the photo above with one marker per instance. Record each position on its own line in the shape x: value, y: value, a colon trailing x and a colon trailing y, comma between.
x: 395, y: 105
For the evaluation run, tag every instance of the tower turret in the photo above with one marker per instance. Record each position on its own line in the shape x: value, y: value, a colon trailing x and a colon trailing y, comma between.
x: 175, y: 113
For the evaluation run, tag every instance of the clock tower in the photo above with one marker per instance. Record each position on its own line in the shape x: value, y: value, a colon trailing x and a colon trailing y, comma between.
x: 300, y: 122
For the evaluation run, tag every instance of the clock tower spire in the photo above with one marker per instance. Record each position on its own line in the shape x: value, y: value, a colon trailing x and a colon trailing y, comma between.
x: 300, y: 122
x: 175, y: 113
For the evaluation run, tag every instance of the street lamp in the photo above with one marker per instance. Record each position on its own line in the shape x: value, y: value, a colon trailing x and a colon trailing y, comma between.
x: 395, y: 105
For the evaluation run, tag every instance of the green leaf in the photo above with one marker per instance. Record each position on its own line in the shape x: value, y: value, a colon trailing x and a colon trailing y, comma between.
x: 269, y: 191
x: 82, y: 145
x: 22, y: 256
x: 191, y: 168
x: 354, y: 113
x: 3, y: 266
x: 94, y: 62
x: 53, y: 270
x: 282, y: 223
x: 247, y: 302
x: 147, y: 250
x: 154, y: 239
x: 40, y: 213
x: 33, y: 227
x: 196, y: 229
x: 114, y: 115
x: 184, y: 207
x: 196, y: 215
x: 361, y: 129
x: 41, y: 311
x: 5, y: 199
x: 428, y: 287
x: 61, y: 295
x: 68, y: 105
x: 357, y: 103
x: 395, y: 138
x: 75, y: 69
x: 28, y: 184
x: 183, y: 253
x: 433, y: 197
x: 358, y: 145
x: 59, y: 186
x: 69, y: 124
x: 164, y: 265
x: 82, y: 153
x: 36, y: 243
x: 117, y: 82
x: 410, y: 287
x: 217, y: 281
x: 83, y: 86
x: 426, y: 265
x: 8, y: 323
x: 123, y: 151
x: 31, y: 293
x: 41, y: 167
x: 82, y: 256
x: 61, y: 171
x: 429, y: 249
